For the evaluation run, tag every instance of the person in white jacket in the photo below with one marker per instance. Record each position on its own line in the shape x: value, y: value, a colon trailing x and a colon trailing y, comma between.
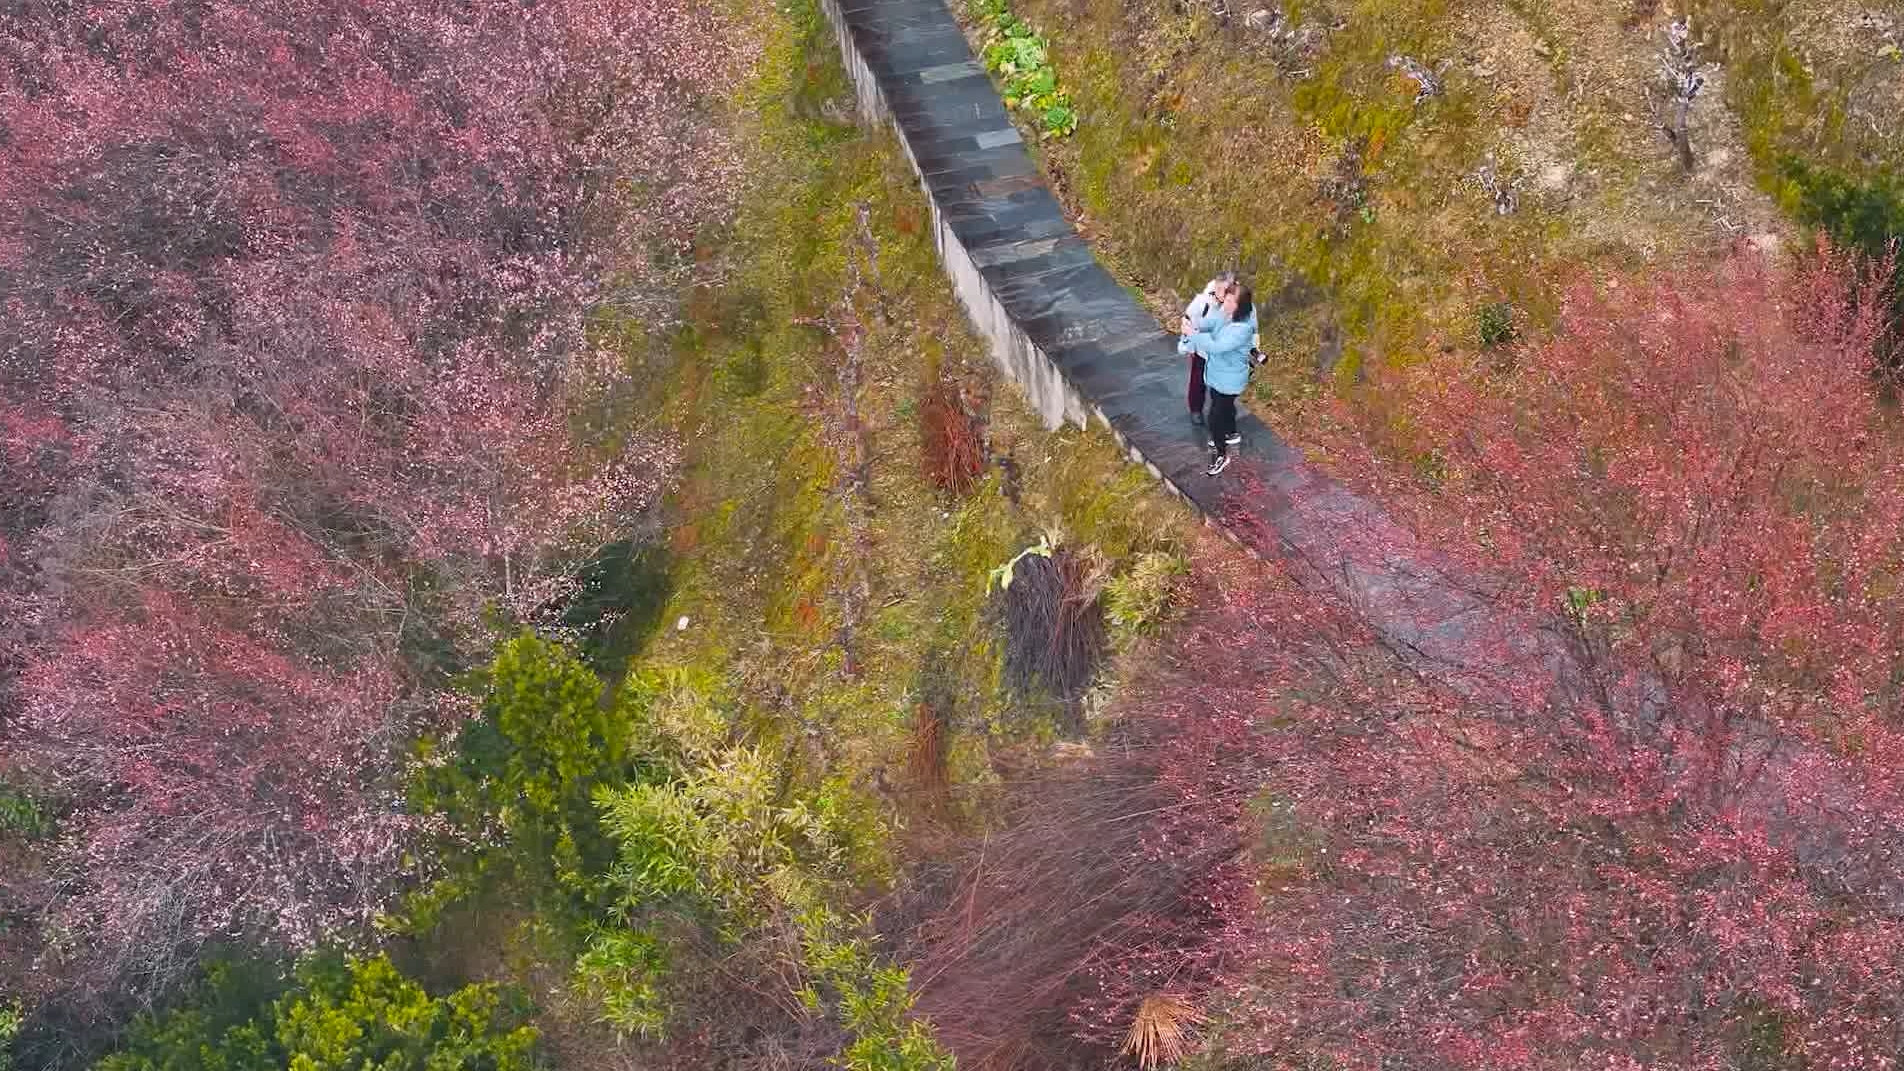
x: 1199, y: 309
x: 1225, y: 338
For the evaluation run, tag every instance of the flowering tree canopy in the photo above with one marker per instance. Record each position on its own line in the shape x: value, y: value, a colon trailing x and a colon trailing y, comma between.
x: 296, y: 389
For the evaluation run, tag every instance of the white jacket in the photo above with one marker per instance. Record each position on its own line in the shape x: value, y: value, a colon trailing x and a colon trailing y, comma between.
x: 1203, y: 305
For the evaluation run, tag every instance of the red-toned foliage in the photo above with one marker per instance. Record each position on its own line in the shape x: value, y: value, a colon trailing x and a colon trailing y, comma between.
x: 1120, y: 874
x: 1684, y: 856
x: 1446, y: 884
x: 1346, y: 865
x: 1672, y: 845
x: 1697, y: 468
x: 953, y: 449
x: 295, y: 389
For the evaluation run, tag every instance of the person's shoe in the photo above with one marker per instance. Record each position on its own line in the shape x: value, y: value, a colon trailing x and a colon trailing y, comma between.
x: 1217, y: 465
x: 1210, y: 445
x: 1233, y: 438
x: 1197, y: 418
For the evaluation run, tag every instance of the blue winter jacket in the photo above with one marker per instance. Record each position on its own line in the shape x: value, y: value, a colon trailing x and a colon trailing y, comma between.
x: 1225, y: 346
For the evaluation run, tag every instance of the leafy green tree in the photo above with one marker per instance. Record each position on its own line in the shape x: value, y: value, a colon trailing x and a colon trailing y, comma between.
x: 1866, y: 214
x: 517, y: 786
x: 522, y: 776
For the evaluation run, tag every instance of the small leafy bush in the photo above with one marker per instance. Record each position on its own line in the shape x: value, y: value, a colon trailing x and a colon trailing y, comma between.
x: 21, y: 814
x: 728, y: 846
x: 625, y: 970
x: 1020, y: 57
x: 9, y: 1029
x: 1494, y: 323
x: 522, y: 775
x: 518, y: 786
x: 340, y: 1015
x: 873, y: 1000
x: 1866, y: 215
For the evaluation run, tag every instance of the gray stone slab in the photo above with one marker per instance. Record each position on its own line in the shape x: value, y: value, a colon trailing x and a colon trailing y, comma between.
x: 895, y: 59
x: 976, y: 232
x: 999, y: 161
x: 951, y: 72
x: 939, y: 102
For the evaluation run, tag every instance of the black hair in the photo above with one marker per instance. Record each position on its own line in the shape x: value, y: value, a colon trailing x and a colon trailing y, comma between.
x: 1244, y: 301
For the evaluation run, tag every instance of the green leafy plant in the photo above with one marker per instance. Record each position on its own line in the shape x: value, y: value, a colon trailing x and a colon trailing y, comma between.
x: 873, y: 1000
x: 1862, y: 214
x: 9, y: 1029
x: 21, y: 814
x: 1001, y: 577
x: 624, y: 970
x: 1020, y: 57
x: 727, y: 844
x: 1579, y: 603
x: 341, y: 1014
x: 1865, y: 214
x: 1494, y: 323
x: 523, y: 774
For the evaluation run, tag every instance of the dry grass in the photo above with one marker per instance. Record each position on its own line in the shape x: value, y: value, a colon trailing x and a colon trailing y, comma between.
x: 1160, y: 1032
x: 954, y: 451
x: 926, y: 756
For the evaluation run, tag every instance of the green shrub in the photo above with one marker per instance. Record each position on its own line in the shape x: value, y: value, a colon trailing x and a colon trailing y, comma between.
x: 9, y: 1029
x: 21, y: 814
x: 624, y: 970
x: 522, y: 776
x: 714, y: 839
x: 1494, y: 324
x: 872, y: 999
x: 1864, y: 215
x: 729, y: 844
x: 340, y: 1015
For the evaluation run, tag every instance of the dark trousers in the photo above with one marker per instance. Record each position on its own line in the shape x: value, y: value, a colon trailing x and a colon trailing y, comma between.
x: 1222, y: 419
x: 1196, y: 383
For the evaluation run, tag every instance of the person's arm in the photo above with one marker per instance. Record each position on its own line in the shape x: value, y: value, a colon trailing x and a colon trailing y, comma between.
x: 1194, y: 312
x: 1220, y: 339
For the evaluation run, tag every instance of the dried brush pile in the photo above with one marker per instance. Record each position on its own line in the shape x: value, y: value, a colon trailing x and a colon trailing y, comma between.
x: 1053, y: 620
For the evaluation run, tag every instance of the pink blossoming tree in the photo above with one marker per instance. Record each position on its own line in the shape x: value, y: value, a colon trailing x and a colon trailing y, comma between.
x: 297, y: 392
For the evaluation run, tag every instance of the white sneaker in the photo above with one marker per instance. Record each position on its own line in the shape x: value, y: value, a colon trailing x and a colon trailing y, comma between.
x: 1217, y: 465
x: 1233, y: 438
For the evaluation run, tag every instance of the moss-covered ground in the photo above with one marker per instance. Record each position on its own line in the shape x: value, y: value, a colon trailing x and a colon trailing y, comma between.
x: 1291, y: 142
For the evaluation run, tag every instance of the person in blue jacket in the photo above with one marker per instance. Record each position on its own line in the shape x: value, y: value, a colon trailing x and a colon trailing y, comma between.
x: 1224, y: 338
x: 1201, y: 306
